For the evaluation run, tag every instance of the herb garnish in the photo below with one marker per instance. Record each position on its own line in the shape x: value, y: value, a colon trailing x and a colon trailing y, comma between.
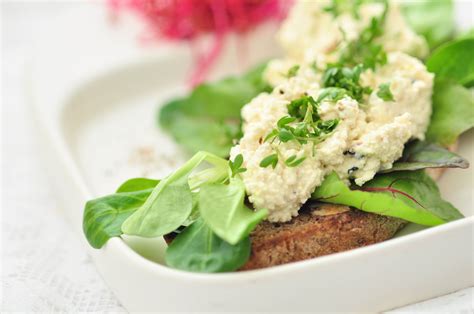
x: 294, y: 161
x: 235, y: 166
x: 384, y: 92
x: 270, y: 160
x: 303, y: 125
x: 346, y: 79
x: 293, y: 71
x: 364, y: 50
x: 336, y: 7
x: 333, y: 94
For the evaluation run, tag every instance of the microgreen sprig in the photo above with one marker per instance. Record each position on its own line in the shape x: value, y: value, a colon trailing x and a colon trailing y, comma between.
x: 270, y: 160
x: 365, y: 50
x: 346, y: 80
x: 294, y: 161
x: 385, y: 93
x: 236, y: 165
x: 336, y: 7
x: 293, y: 71
x: 303, y: 125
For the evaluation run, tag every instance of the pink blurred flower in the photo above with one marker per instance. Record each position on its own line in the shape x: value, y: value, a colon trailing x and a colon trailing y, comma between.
x: 186, y: 20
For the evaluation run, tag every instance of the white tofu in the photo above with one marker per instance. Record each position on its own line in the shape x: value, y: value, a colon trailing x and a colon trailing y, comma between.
x: 369, y: 137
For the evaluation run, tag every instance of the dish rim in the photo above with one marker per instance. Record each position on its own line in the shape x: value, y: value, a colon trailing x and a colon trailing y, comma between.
x: 256, y: 274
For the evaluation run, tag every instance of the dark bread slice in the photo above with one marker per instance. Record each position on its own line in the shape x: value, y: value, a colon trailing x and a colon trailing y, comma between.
x: 319, y: 229
x: 322, y: 229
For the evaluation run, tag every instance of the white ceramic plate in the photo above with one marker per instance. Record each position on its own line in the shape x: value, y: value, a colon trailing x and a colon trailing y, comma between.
x: 99, y: 126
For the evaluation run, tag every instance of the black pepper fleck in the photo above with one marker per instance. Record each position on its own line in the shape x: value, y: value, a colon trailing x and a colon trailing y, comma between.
x: 353, y: 169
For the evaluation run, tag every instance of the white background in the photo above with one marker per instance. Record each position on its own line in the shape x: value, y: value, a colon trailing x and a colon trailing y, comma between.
x: 44, y: 266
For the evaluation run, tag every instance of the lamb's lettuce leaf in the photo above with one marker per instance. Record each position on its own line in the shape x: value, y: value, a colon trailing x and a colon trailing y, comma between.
x: 454, y: 61
x: 198, y: 249
x: 453, y: 112
x: 467, y: 34
x: 164, y: 211
x: 209, y: 117
x: 421, y: 155
x: 433, y: 19
x: 196, y: 133
x: 410, y: 195
x: 151, y: 208
x: 103, y: 217
x: 137, y: 184
x: 170, y: 203
x: 222, y: 208
x: 453, y: 104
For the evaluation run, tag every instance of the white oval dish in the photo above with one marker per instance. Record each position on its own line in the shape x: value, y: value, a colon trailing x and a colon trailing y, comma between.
x: 95, y: 123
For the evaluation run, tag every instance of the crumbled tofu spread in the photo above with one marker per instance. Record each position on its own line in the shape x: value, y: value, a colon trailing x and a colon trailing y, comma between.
x: 311, y: 31
x: 370, y: 135
x: 310, y: 34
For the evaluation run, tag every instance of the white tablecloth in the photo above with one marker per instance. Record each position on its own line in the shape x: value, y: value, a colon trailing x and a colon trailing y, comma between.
x: 44, y: 266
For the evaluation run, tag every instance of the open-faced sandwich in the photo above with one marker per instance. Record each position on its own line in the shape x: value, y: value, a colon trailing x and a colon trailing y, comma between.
x: 321, y: 151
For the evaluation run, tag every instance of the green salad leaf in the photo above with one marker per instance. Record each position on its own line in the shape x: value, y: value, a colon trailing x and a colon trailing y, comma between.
x: 453, y: 112
x: 137, y: 184
x: 467, y: 34
x: 164, y: 211
x: 196, y: 133
x: 454, y: 61
x: 103, y: 217
x: 151, y: 208
x: 410, y: 195
x: 209, y: 117
x: 170, y: 203
x: 421, y: 155
x: 222, y: 208
x: 198, y: 249
x: 433, y: 19
x: 236, y: 165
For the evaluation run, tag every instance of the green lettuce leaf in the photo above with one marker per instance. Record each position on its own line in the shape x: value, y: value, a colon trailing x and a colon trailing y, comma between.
x: 222, y: 208
x: 209, y: 117
x: 200, y: 133
x: 410, y: 195
x: 164, y: 211
x: 454, y: 61
x: 171, y: 202
x: 433, y: 19
x: 421, y: 155
x: 198, y: 249
x: 453, y: 112
x: 467, y: 34
x: 137, y: 184
x: 103, y: 217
